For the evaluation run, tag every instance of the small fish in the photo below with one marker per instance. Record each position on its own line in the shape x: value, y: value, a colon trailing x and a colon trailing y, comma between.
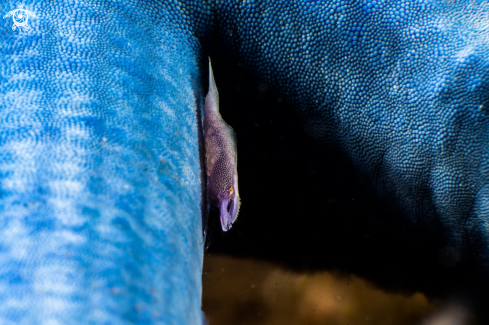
x: 221, y: 159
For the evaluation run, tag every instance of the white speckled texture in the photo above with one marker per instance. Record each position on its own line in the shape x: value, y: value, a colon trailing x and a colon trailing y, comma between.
x: 100, y: 176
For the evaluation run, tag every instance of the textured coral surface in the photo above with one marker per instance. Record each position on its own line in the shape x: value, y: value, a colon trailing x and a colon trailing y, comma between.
x: 99, y: 159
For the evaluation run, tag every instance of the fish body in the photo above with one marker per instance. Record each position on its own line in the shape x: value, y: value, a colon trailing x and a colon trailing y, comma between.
x: 221, y: 159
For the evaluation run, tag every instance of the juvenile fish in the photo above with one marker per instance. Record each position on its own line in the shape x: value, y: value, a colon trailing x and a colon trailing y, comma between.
x: 221, y: 159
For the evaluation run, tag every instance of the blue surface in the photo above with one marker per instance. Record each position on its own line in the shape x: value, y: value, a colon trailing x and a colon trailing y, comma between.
x: 100, y: 173
x: 100, y: 178
x: 401, y: 87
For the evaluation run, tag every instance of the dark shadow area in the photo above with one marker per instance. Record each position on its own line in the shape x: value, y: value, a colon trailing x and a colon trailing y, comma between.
x: 305, y: 208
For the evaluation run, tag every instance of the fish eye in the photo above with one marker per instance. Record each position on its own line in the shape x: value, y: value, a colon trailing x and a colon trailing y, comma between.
x: 231, y: 190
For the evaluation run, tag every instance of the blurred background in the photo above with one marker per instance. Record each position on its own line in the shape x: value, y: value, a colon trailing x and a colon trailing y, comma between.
x: 246, y: 291
x: 312, y: 244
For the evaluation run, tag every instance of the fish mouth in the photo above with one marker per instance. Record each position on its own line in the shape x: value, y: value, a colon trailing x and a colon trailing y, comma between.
x: 229, y: 208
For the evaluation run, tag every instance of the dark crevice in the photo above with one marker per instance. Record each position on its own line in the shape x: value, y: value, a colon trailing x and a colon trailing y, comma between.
x: 305, y: 208
x: 377, y: 171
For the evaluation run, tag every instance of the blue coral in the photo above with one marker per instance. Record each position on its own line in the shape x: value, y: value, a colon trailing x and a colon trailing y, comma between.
x: 100, y: 173
x: 401, y: 87
x: 99, y: 164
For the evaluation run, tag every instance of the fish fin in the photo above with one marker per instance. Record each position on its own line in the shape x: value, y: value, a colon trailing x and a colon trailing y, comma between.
x: 212, y: 98
x: 210, y: 161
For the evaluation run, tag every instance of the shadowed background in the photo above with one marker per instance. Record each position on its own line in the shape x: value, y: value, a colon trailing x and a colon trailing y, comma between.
x: 100, y: 171
x: 306, y: 210
x: 246, y: 291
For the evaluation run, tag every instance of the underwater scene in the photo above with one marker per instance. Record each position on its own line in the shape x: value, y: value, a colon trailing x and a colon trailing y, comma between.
x: 311, y: 245
x: 244, y: 162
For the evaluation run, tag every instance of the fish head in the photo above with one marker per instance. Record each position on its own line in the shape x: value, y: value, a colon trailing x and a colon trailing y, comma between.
x: 228, y: 203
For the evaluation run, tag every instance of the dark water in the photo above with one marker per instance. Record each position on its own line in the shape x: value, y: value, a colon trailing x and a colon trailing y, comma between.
x: 305, y: 210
